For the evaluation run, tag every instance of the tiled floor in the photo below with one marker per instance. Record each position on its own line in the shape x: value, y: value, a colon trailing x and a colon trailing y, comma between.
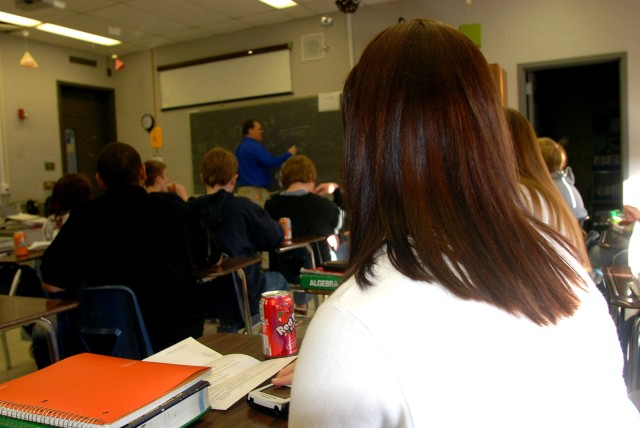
x: 22, y: 362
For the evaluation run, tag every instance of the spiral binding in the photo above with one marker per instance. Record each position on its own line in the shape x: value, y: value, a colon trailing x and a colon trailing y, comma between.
x: 42, y: 415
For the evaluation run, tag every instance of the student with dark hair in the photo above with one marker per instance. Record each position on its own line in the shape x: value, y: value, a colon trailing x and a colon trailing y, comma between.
x: 70, y: 191
x: 128, y: 237
x: 243, y: 228
x: 255, y: 163
x: 459, y: 306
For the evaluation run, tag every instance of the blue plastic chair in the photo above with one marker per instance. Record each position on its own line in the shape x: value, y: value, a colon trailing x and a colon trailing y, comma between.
x: 107, y: 322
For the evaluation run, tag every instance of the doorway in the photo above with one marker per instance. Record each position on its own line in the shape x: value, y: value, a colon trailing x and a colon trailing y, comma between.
x: 87, y: 123
x: 580, y: 103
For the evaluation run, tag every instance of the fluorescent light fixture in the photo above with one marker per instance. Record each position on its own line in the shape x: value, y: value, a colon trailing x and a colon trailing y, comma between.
x: 18, y: 20
x: 280, y: 4
x: 80, y: 35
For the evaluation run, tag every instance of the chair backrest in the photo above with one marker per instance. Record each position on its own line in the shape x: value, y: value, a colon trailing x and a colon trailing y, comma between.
x: 108, y: 322
x: 19, y: 280
x: 10, y: 275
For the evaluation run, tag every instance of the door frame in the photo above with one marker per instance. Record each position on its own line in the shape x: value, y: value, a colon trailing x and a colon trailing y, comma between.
x: 525, y: 92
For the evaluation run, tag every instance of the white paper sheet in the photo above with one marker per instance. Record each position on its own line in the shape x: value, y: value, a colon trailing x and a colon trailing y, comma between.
x: 232, y: 376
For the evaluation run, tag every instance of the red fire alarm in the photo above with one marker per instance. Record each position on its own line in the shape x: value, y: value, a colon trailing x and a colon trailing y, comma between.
x: 22, y: 114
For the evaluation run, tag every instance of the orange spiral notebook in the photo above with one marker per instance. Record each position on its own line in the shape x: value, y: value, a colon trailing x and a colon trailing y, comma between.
x: 95, y: 391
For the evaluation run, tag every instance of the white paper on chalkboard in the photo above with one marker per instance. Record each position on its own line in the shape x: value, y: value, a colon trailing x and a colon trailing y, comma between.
x: 238, y: 78
x: 329, y: 101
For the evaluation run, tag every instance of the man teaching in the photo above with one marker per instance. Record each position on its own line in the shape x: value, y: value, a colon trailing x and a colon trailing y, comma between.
x: 255, y: 161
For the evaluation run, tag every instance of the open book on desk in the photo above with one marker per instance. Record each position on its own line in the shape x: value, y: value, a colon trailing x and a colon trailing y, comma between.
x: 89, y: 390
x: 232, y: 376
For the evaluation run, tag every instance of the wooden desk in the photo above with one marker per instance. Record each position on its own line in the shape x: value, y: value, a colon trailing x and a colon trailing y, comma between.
x: 233, y: 266
x: 623, y: 290
x: 12, y: 258
x: 302, y: 242
x: 240, y: 414
x: 616, y: 240
x: 16, y: 311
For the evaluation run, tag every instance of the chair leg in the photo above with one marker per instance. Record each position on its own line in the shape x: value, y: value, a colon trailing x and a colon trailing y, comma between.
x: 5, y: 349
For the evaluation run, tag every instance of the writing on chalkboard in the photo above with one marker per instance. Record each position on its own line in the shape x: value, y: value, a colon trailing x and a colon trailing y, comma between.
x: 318, y: 134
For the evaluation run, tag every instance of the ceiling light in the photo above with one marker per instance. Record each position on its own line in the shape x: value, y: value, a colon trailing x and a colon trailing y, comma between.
x: 18, y: 20
x: 80, y: 35
x: 280, y: 4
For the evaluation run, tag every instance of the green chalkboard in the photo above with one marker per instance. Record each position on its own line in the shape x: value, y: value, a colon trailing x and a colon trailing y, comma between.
x: 318, y: 135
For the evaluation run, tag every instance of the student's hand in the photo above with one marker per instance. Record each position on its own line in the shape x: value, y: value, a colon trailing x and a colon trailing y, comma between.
x: 284, y: 376
x: 293, y: 150
x: 631, y: 214
x: 179, y: 190
x: 325, y: 188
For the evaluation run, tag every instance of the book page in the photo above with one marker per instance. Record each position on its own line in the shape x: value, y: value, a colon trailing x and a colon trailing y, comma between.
x: 232, y: 376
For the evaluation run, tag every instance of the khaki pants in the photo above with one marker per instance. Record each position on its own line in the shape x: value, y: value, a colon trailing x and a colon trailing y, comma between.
x: 259, y: 195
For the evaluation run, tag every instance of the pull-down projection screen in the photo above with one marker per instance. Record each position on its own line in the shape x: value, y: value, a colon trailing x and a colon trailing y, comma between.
x: 248, y: 74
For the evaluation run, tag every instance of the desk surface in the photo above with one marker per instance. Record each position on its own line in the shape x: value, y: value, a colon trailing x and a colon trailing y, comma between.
x: 230, y: 265
x: 240, y: 414
x: 612, y: 239
x: 16, y: 311
x: 623, y: 288
x: 12, y: 258
x: 299, y: 242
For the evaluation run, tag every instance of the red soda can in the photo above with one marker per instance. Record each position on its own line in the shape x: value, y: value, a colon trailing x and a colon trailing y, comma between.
x: 285, y: 222
x: 278, y: 326
x: 20, y: 244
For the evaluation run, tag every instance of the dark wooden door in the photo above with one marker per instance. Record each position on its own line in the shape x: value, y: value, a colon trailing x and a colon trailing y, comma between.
x: 87, y: 123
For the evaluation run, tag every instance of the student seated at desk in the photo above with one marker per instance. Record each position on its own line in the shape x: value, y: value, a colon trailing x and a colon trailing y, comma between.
x: 127, y: 237
x: 540, y: 194
x: 70, y: 191
x: 310, y: 215
x: 243, y: 227
x: 157, y: 180
x: 459, y: 307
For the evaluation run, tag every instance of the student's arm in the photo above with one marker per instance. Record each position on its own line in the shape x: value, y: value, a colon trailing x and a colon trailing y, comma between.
x: 284, y: 376
x: 62, y: 262
x: 631, y: 213
x: 207, y: 249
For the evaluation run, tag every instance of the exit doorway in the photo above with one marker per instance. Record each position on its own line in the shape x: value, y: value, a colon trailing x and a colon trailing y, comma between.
x: 580, y: 103
x: 87, y: 123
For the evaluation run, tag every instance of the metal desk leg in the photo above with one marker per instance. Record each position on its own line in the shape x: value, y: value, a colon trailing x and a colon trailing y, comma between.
x: 52, y: 339
x: 313, y: 259
x: 245, y: 302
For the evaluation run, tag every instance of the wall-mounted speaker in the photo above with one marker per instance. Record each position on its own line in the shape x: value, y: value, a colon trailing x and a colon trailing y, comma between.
x: 313, y: 47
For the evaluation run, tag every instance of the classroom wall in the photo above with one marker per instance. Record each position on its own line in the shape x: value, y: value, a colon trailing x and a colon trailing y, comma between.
x: 513, y: 32
x: 30, y: 143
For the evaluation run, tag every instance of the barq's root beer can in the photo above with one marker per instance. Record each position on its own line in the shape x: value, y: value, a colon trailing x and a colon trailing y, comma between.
x: 278, y: 324
x: 20, y: 244
x: 285, y: 222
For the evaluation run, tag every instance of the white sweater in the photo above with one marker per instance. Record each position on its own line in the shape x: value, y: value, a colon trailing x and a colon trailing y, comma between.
x: 406, y: 353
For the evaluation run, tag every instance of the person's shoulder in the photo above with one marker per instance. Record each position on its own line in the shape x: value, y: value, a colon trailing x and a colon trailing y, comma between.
x: 322, y: 201
x: 244, y: 204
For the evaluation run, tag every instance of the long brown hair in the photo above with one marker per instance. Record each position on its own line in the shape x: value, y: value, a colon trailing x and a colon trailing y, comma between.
x: 535, y: 176
x: 424, y: 130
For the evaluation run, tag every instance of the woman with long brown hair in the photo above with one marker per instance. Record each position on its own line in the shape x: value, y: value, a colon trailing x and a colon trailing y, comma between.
x: 461, y: 308
x: 540, y: 193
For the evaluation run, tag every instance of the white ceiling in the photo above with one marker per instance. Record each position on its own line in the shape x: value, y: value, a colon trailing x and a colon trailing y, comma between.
x: 146, y: 24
